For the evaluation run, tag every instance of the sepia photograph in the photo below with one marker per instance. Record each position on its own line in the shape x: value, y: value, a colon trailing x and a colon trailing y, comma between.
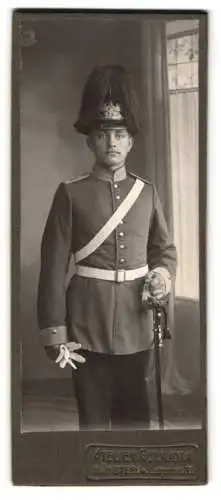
x: 108, y: 257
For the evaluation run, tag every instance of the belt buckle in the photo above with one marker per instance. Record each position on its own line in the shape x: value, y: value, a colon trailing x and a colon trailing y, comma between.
x: 120, y: 275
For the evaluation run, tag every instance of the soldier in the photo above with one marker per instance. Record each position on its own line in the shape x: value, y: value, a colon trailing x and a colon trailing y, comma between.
x: 112, y: 222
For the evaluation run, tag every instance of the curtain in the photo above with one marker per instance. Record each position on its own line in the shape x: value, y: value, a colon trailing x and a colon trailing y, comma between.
x: 183, y: 372
x: 184, y: 156
x: 156, y: 126
x: 156, y: 112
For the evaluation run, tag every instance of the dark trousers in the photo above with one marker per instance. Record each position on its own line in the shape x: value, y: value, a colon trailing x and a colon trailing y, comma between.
x: 111, y: 391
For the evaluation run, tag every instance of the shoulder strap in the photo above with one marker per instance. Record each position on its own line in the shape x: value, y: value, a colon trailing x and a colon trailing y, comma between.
x: 112, y: 223
x: 132, y: 174
x: 76, y: 179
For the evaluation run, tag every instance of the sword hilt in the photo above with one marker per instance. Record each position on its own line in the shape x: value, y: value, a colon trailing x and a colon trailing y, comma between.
x: 161, y: 329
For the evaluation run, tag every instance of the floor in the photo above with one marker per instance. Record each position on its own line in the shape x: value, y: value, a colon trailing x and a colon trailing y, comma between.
x: 53, y: 408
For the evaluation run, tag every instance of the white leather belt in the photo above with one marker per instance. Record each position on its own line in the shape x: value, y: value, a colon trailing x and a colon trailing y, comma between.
x: 118, y: 275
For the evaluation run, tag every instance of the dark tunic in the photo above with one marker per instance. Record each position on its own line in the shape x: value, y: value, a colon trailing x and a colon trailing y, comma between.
x: 103, y: 316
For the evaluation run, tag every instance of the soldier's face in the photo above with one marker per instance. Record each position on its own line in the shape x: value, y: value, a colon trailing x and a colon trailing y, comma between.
x: 110, y: 146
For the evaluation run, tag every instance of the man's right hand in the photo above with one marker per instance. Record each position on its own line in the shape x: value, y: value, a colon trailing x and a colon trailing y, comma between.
x: 65, y: 354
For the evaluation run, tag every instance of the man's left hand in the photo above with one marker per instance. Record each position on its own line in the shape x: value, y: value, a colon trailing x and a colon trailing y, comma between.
x: 155, y: 285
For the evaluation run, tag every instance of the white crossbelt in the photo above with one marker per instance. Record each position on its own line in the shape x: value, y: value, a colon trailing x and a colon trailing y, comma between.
x: 118, y: 275
x: 112, y: 223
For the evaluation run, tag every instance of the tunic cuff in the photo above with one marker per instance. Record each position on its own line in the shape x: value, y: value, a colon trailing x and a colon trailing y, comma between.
x: 54, y: 335
x: 163, y: 271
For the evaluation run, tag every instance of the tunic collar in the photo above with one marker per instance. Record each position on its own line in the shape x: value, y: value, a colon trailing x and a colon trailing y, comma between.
x: 107, y: 175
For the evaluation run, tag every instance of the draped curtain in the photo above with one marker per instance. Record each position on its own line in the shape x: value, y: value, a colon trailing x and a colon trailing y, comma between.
x: 158, y: 155
x: 156, y: 112
x: 184, y: 156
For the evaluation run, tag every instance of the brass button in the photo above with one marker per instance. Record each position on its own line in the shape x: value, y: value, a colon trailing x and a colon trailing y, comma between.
x: 121, y: 234
x: 122, y: 261
x: 118, y: 197
x: 116, y: 186
x: 54, y: 331
x: 122, y: 246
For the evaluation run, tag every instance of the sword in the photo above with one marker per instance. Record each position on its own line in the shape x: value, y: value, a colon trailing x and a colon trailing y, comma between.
x: 161, y: 333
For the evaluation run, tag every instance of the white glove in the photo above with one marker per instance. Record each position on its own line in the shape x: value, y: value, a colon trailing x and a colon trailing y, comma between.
x: 67, y: 354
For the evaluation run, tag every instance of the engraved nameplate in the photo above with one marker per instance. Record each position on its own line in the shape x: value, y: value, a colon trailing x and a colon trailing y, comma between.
x: 172, y: 462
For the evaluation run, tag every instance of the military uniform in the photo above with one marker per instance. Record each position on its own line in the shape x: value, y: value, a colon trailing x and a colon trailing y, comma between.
x: 105, y: 317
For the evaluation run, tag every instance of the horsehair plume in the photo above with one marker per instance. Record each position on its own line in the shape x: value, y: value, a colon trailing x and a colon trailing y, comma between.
x: 109, y: 83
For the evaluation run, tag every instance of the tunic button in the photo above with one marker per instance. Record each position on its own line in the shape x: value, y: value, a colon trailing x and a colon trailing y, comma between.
x: 122, y: 246
x: 54, y: 331
x: 122, y: 261
x: 121, y: 234
x: 118, y: 196
x: 116, y: 186
x: 121, y: 222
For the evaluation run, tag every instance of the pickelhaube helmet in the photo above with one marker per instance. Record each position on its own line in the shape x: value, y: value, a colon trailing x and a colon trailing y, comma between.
x: 108, y: 101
